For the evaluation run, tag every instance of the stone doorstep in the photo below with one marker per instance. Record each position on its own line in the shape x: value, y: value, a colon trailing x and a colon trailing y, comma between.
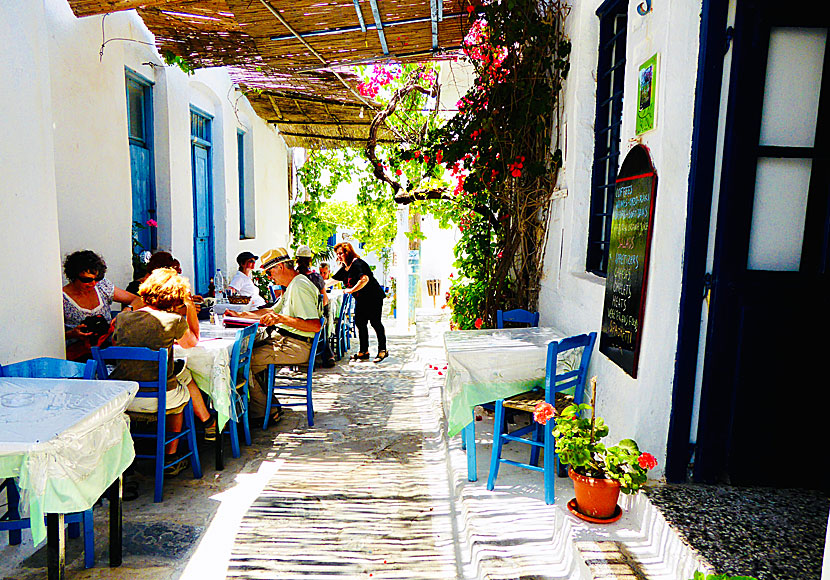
x: 609, y: 561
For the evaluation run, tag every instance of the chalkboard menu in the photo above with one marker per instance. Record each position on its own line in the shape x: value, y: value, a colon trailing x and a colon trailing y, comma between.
x: 625, y: 284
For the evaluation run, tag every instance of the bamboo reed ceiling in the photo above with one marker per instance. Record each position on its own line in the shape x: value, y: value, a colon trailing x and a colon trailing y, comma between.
x: 265, y: 55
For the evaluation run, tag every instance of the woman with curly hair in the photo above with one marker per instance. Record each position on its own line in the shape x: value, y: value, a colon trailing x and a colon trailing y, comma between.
x: 87, y: 299
x: 360, y: 282
x: 167, y: 316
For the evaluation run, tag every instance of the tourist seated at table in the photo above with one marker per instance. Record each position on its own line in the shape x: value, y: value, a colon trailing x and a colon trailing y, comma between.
x: 242, y: 281
x: 160, y: 259
x: 296, y: 318
x: 325, y: 273
x: 87, y: 302
x: 168, y: 316
x: 304, y: 257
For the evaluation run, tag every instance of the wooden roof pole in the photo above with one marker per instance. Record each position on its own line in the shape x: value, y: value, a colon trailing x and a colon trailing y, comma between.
x: 433, y: 13
x: 279, y: 17
x: 359, y: 15
x: 379, y: 24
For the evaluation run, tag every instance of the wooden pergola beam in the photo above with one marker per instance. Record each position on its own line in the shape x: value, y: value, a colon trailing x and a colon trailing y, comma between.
x: 379, y: 25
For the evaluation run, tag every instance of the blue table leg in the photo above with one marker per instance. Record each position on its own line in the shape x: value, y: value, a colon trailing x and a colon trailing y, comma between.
x: 470, y: 440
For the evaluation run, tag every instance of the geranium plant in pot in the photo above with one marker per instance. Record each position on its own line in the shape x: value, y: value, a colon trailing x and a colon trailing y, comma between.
x: 599, y: 473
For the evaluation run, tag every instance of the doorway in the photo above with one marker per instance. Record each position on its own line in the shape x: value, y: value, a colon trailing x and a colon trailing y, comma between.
x: 140, y: 130
x: 200, y: 139
x: 769, y: 307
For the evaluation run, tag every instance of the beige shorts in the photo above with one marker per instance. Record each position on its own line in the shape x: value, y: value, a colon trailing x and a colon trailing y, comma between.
x: 175, y: 397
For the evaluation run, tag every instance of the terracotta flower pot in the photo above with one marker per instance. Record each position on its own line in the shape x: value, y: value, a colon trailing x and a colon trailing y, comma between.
x: 596, y: 498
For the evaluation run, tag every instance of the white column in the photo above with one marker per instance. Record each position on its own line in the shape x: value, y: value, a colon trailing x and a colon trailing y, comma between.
x: 401, y: 268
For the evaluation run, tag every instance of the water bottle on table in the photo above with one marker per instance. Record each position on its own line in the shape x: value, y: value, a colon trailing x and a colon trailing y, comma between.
x: 219, y: 282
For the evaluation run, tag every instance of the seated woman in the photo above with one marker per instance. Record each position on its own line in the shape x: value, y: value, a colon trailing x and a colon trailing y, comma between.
x: 168, y: 316
x: 87, y: 296
x: 160, y: 259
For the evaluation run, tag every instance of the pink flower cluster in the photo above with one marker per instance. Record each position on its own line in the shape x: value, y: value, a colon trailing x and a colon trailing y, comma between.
x: 380, y: 76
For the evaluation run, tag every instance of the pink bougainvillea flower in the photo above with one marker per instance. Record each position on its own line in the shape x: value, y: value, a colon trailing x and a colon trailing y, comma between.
x: 417, y: 154
x: 439, y: 156
x: 516, y: 173
x: 647, y: 461
x: 426, y: 158
x: 152, y: 223
x: 398, y: 172
x: 470, y: 9
x: 542, y: 412
x: 500, y: 254
x: 478, y: 323
x: 440, y: 373
x: 450, y: 274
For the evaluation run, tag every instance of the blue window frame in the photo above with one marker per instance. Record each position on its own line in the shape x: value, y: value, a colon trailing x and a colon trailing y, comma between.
x: 613, y: 16
x: 202, y: 168
x: 139, y: 93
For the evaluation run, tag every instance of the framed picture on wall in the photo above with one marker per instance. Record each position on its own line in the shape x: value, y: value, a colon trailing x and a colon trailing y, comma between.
x: 647, y: 95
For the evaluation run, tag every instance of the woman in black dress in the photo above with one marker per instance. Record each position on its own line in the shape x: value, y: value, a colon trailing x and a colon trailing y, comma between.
x: 360, y: 282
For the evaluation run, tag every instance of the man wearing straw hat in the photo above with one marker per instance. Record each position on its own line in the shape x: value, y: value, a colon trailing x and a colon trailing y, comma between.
x: 295, y: 316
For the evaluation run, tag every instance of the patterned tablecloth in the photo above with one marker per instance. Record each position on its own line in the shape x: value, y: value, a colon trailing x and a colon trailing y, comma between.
x: 486, y: 365
x: 64, y: 440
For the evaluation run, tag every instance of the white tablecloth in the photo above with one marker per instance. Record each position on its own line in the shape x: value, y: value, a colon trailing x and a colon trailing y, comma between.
x: 65, y: 440
x: 486, y: 365
x: 209, y: 363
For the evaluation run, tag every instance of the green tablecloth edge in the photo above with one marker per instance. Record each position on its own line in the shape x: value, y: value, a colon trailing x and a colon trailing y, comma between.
x: 65, y: 496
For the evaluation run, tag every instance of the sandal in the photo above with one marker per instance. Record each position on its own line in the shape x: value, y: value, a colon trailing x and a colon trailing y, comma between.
x: 361, y: 356
x: 382, y: 354
x: 130, y: 491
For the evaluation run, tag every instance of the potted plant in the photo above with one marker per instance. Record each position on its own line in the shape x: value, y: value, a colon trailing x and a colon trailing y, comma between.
x: 599, y: 473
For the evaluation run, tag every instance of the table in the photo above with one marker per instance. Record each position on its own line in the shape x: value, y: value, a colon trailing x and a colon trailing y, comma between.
x: 65, y: 441
x: 486, y: 365
x: 209, y: 363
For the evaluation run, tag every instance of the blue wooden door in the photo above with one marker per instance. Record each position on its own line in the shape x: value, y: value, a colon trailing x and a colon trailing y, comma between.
x: 202, y: 202
x: 139, y: 120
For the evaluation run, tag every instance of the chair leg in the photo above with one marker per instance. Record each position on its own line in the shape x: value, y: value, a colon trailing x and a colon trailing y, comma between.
x: 538, y: 436
x: 161, y: 437
x: 190, y: 425
x: 233, y: 428
x: 470, y: 438
x: 246, y: 424
x: 309, y: 405
x: 89, y: 540
x: 269, y: 394
x: 550, y: 467
x: 498, y: 441
x: 13, y: 496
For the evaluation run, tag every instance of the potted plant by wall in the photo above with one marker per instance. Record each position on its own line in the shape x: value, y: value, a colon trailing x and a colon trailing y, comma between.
x: 599, y: 473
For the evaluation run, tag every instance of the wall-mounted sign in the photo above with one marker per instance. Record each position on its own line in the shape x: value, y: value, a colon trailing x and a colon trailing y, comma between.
x: 625, y: 283
x: 647, y: 95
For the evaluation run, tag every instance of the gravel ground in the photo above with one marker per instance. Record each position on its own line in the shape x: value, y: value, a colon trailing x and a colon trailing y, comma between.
x: 768, y: 534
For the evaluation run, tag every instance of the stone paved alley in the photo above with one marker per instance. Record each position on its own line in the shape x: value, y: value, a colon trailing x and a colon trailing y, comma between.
x: 373, y: 490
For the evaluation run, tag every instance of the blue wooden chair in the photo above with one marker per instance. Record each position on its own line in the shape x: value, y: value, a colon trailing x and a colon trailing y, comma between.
x: 561, y: 389
x: 157, y: 389
x: 518, y: 315
x: 240, y: 373
x: 287, y: 386
x: 47, y: 368
x: 341, y: 327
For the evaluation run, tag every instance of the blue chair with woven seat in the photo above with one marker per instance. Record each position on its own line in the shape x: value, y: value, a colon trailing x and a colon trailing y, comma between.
x: 241, y: 373
x: 157, y: 389
x: 565, y: 375
x: 287, y: 386
x: 47, y: 368
x: 518, y: 316
x: 341, y: 327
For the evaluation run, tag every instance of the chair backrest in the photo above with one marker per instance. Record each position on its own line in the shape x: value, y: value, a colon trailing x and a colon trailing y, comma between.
x: 241, y: 353
x: 574, y: 371
x: 345, y: 305
x: 50, y: 368
x: 313, y: 353
x: 156, y: 388
x: 518, y: 315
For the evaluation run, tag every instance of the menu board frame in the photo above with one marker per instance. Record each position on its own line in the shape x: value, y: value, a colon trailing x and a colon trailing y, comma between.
x: 628, y: 260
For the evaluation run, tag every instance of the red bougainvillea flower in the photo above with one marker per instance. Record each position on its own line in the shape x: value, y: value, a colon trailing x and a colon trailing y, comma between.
x: 417, y: 154
x: 500, y: 254
x: 152, y: 223
x: 426, y: 158
x: 470, y: 9
x: 398, y: 172
x: 647, y: 461
x: 450, y: 277
x: 478, y: 323
x: 542, y: 412
x: 439, y: 156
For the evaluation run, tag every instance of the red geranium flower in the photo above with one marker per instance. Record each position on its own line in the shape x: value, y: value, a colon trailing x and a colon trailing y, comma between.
x: 542, y: 412
x: 478, y: 323
x: 398, y: 172
x: 647, y: 461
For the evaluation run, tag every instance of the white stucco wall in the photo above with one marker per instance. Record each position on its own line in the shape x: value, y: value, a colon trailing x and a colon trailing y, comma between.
x: 65, y: 160
x: 30, y: 305
x: 92, y: 150
x: 572, y: 299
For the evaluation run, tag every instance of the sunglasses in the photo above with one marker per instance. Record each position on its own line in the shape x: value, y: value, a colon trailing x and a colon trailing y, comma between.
x: 87, y: 279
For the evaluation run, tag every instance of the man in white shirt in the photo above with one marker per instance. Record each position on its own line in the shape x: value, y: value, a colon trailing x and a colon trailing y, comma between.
x: 242, y: 282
